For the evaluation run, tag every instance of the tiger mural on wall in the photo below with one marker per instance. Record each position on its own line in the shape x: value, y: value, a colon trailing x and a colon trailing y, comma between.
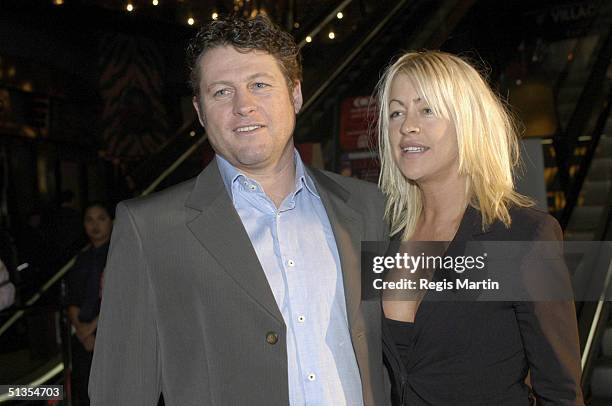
x: 134, y: 122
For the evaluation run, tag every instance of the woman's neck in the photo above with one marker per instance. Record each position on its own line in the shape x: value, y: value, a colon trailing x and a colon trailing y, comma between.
x: 444, y: 204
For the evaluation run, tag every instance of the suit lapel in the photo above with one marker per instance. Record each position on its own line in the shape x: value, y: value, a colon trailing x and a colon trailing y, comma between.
x: 347, y: 226
x: 217, y: 226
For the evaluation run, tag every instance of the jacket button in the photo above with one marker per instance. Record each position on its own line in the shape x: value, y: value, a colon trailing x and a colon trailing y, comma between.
x: 271, y: 337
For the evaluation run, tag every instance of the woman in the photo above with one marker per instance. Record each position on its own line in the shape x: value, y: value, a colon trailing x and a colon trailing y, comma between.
x: 83, y: 296
x: 447, y: 149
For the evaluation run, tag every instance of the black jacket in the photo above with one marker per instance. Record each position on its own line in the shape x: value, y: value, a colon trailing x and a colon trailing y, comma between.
x: 479, y: 353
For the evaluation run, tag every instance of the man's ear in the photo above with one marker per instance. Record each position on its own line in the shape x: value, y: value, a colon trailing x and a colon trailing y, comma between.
x: 296, y: 95
x: 196, y: 105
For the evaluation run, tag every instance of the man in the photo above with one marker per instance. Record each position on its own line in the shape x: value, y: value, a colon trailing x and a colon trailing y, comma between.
x: 243, y: 286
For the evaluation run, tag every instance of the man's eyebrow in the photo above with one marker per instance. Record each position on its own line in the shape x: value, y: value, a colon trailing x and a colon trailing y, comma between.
x: 260, y: 74
x: 248, y: 78
x: 219, y: 82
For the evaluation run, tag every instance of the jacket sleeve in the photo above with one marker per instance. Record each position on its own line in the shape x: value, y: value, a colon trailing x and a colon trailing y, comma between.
x: 550, y: 338
x: 126, y: 363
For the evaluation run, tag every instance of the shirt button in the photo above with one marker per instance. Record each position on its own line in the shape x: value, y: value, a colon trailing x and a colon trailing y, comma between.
x: 272, y: 337
x: 311, y: 377
x: 291, y: 263
x: 301, y: 318
x: 252, y: 187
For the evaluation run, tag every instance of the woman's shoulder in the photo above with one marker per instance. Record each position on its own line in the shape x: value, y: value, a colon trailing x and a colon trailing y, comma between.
x: 530, y: 224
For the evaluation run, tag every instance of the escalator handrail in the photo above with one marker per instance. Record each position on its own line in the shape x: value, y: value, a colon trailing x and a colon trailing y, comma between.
x: 352, y: 55
x: 312, y: 33
x: 596, y: 324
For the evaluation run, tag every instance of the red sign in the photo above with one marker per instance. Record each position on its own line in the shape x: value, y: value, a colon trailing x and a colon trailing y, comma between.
x: 357, y: 119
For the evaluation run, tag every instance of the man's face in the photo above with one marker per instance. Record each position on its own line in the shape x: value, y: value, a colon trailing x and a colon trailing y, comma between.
x: 247, y: 108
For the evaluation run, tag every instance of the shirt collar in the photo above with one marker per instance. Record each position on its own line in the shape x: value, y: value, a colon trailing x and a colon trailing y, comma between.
x: 230, y: 174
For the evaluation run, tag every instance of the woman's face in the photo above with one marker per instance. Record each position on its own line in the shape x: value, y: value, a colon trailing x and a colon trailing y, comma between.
x: 98, y: 225
x: 424, y: 146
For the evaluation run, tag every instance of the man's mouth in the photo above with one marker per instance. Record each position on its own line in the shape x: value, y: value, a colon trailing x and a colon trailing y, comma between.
x: 248, y: 128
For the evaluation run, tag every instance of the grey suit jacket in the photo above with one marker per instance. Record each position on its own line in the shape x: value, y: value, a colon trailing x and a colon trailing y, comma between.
x: 187, y: 309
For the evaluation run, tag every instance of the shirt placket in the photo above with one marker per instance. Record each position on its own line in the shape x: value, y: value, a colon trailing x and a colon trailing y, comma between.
x: 297, y: 312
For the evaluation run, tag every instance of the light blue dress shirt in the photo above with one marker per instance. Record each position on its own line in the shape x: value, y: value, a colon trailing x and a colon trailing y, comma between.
x: 297, y: 251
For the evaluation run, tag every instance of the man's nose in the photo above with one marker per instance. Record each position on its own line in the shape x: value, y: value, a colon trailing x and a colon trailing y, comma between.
x: 244, y: 103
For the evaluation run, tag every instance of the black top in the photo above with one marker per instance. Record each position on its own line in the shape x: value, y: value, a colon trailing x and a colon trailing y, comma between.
x: 402, y: 333
x: 479, y: 353
x: 83, y: 282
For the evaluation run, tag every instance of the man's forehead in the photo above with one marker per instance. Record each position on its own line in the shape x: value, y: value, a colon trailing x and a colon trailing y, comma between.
x: 228, y: 63
x: 227, y: 59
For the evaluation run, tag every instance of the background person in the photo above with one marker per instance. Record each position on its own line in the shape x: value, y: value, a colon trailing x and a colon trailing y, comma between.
x: 83, y: 296
x: 447, y: 149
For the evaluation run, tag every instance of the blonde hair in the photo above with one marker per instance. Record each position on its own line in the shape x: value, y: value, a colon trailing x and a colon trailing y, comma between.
x: 486, y: 137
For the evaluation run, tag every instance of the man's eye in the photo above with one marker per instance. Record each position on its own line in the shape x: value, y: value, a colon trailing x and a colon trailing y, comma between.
x: 260, y: 85
x: 221, y: 92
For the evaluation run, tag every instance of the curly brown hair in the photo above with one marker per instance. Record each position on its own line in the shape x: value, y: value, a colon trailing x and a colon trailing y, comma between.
x: 245, y: 35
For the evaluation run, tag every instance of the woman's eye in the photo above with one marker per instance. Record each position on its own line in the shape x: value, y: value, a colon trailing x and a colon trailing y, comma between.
x: 395, y: 114
x: 428, y: 111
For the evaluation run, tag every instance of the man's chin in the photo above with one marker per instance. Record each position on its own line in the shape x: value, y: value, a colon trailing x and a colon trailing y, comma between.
x: 253, y: 161
x: 254, y: 156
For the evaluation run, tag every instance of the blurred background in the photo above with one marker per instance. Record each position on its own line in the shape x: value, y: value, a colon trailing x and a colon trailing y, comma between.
x: 95, y: 106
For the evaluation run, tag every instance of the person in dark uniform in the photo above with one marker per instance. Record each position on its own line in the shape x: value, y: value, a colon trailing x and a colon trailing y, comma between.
x: 448, y: 149
x: 83, y: 290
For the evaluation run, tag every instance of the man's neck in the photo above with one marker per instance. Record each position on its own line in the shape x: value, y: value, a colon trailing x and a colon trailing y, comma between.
x: 278, y: 181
